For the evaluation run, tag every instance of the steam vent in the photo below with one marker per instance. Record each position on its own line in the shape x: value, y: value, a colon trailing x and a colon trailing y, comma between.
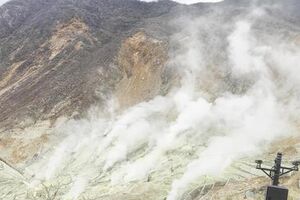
x: 149, y: 99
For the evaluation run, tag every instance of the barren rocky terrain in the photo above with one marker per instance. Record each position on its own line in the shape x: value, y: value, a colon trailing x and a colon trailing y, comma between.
x: 123, y: 99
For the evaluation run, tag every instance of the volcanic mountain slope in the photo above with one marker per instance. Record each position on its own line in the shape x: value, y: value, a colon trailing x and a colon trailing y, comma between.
x: 54, y: 54
x: 122, y: 99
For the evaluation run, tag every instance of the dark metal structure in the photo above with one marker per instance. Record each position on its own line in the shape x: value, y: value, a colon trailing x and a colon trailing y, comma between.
x: 275, y: 192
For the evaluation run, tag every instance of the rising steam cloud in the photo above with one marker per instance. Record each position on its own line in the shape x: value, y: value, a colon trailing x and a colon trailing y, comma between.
x: 230, y: 104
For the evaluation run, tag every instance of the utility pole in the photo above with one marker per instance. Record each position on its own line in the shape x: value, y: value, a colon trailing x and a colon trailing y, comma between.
x: 275, y: 192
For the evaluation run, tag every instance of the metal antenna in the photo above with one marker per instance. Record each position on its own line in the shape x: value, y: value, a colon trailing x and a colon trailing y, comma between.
x: 275, y: 192
x: 277, y: 170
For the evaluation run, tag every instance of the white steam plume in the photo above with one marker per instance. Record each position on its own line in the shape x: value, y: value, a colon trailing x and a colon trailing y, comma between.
x: 249, y: 119
x: 231, y: 103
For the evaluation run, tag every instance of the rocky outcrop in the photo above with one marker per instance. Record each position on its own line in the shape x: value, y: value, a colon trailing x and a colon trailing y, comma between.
x: 45, y: 83
x: 142, y: 60
x: 58, y: 57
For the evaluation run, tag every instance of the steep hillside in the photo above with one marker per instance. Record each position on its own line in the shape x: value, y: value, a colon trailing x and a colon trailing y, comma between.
x: 56, y: 54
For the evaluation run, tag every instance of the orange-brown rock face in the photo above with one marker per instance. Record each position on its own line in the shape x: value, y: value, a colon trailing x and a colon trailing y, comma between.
x: 49, y: 80
x: 65, y: 34
x: 57, y: 57
x: 142, y: 60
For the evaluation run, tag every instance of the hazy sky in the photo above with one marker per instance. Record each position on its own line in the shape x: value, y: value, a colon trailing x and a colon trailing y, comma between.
x: 3, y: 1
x: 179, y: 1
x: 189, y: 1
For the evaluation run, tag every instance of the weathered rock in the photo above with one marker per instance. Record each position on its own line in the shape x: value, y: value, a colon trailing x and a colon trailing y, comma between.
x: 57, y: 57
x: 142, y: 60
